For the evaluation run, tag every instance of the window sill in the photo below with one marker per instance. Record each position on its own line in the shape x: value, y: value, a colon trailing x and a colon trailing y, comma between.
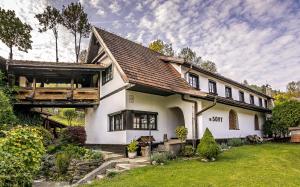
x: 234, y: 129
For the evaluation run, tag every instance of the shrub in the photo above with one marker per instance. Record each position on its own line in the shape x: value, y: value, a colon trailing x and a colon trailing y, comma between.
x: 62, y: 162
x: 13, y: 172
x: 181, y: 133
x: 235, y: 142
x: 46, y: 135
x: 188, y: 151
x: 159, y: 158
x: 208, y: 148
x: 92, y: 155
x: 73, y: 135
x: 132, y: 147
x: 22, y: 149
x: 74, y: 151
x: 7, y: 115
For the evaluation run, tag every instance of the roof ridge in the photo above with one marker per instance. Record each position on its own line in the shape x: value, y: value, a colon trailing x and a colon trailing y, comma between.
x: 123, y: 38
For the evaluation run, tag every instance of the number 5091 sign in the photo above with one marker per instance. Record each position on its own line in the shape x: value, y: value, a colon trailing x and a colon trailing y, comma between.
x: 216, y: 119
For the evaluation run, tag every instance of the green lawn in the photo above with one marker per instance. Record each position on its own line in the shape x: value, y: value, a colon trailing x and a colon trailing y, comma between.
x: 260, y: 165
x: 75, y: 122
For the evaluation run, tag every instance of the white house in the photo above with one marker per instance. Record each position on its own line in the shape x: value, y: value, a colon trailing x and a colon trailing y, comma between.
x: 142, y: 89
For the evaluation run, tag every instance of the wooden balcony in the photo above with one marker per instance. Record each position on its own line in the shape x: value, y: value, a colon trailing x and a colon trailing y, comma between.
x: 53, y: 96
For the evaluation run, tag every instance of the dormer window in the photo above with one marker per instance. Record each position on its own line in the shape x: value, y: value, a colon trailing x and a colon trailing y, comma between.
x: 194, y: 80
x: 228, y: 92
x: 212, y: 87
x: 242, y: 96
x: 251, y: 99
x: 107, y: 75
x: 260, y: 102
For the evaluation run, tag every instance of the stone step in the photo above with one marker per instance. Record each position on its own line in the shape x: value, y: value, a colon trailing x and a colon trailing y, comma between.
x: 111, y: 156
x: 128, y: 166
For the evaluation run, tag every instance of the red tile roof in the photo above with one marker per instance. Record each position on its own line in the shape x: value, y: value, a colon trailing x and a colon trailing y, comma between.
x: 143, y: 66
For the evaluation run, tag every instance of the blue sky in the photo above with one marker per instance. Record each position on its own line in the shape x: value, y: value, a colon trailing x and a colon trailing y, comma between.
x: 247, y: 39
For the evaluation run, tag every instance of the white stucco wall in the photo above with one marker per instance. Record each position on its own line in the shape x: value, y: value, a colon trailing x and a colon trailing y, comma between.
x: 166, y: 119
x: 221, y: 130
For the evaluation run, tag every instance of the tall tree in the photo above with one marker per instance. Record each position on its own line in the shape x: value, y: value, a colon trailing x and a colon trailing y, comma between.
x: 13, y: 32
x: 75, y: 19
x: 189, y: 55
x: 50, y: 19
x: 162, y: 47
x: 209, y: 66
x: 293, y: 86
x: 82, y: 56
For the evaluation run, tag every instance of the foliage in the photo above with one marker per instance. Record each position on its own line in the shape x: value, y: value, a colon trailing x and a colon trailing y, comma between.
x: 7, y: 115
x: 73, y: 135
x: 189, y: 55
x: 242, y: 166
x: 75, y: 19
x: 162, y: 157
x: 82, y: 56
x: 13, y: 171
x: 208, y: 148
x: 293, y: 87
x: 74, y: 151
x: 50, y: 19
x: 132, y: 147
x: 235, y: 142
x: 209, y: 66
x: 286, y: 115
x: 162, y: 47
x: 13, y: 32
x: 188, y: 151
x: 22, y: 150
x: 69, y: 114
x: 27, y: 117
x: 92, y: 155
x: 62, y: 162
x: 181, y: 133
x: 46, y: 136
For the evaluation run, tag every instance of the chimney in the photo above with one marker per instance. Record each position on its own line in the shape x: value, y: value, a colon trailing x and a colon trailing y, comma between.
x: 268, y: 90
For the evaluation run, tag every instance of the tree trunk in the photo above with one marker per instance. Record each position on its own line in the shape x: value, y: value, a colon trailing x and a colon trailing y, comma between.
x: 76, y: 47
x: 56, y: 46
x: 10, y: 53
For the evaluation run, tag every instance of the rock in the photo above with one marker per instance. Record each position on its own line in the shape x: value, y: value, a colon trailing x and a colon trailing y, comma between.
x: 162, y: 164
x: 154, y: 162
x: 212, y: 159
x: 204, y: 160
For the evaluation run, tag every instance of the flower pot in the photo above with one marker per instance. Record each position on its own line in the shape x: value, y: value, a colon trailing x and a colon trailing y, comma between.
x: 131, y: 155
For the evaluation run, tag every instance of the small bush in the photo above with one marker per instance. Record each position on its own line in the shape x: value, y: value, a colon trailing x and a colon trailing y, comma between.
x: 69, y: 114
x: 162, y: 157
x: 93, y: 155
x: 188, y: 151
x: 132, y: 147
x: 73, y: 135
x: 7, y: 115
x: 21, y: 153
x: 208, y: 148
x: 181, y: 133
x: 235, y: 142
x: 74, y: 151
x: 62, y: 162
x: 46, y: 135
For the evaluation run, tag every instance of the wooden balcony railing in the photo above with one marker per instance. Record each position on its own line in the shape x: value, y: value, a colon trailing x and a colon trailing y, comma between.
x: 58, y: 94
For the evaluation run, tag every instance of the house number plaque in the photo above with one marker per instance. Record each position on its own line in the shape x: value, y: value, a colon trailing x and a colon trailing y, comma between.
x: 216, y: 119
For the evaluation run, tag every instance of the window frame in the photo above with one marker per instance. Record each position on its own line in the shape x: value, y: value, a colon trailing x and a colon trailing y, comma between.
x: 128, y: 120
x: 214, y: 87
x: 241, y: 93
x: 230, y: 93
x: 266, y: 103
x: 256, y: 123
x: 260, y: 102
x: 107, y: 75
x: 194, y: 77
x: 233, y: 114
x: 251, y: 99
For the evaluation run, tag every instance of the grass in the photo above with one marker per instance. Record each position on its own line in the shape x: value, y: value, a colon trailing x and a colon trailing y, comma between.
x: 75, y: 122
x: 250, y: 165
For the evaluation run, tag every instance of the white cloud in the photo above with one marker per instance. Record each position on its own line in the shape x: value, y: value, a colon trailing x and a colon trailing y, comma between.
x: 115, y: 7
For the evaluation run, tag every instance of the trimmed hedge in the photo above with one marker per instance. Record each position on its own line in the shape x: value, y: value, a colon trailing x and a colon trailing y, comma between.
x: 73, y: 135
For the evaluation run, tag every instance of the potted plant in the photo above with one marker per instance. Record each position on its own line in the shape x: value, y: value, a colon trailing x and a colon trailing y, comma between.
x: 132, y: 147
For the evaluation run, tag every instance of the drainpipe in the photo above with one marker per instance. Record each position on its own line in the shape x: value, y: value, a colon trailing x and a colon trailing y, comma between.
x: 196, y: 114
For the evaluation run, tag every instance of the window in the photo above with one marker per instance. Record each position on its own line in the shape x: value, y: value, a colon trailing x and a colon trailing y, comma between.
x: 242, y: 97
x: 144, y: 121
x: 107, y: 75
x: 266, y: 103
x: 233, y: 120
x: 212, y: 87
x: 194, y: 80
x: 256, y: 123
x: 251, y: 99
x: 132, y: 120
x: 116, y: 122
x: 260, y: 102
x: 228, y: 92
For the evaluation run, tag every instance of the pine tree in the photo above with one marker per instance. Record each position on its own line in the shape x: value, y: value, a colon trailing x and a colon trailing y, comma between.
x: 208, y: 148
